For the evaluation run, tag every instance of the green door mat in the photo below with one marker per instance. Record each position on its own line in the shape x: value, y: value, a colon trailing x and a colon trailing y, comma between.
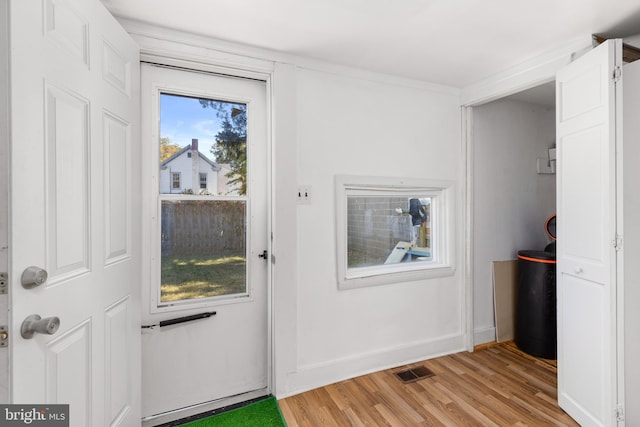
x: 264, y: 413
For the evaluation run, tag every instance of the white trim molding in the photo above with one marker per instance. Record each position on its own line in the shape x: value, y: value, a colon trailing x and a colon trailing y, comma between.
x: 309, y: 377
x: 173, y: 44
x: 533, y: 72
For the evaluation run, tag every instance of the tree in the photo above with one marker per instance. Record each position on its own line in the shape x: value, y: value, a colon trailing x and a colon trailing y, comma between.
x: 167, y: 149
x: 231, y: 141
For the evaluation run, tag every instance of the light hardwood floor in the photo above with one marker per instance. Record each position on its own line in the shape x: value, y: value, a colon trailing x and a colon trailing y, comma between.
x: 494, y: 386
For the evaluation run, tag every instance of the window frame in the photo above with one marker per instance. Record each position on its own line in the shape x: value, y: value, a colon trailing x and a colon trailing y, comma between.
x: 442, y: 193
x: 203, y: 180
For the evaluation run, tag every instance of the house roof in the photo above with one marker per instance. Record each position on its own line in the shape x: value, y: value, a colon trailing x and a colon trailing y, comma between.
x: 184, y: 149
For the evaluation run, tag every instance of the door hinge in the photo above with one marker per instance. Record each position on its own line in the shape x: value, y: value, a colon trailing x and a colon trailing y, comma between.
x: 4, y: 336
x: 617, y: 74
x: 4, y: 284
x: 619, y: 413
x: 617, y: 242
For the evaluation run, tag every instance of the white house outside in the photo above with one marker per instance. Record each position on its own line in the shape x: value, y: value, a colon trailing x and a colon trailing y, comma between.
x: 190, y: 171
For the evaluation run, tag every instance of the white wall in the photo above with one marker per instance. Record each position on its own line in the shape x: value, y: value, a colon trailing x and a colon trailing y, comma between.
x: 631, y: 242
x: 357, y: 126
x: 511, y: 201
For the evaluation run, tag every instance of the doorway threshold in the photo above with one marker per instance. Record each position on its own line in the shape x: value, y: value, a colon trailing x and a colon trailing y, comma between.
x: 210, y: 407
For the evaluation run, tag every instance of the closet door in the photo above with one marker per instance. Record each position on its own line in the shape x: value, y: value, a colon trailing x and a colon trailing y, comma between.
x: 587, y: 98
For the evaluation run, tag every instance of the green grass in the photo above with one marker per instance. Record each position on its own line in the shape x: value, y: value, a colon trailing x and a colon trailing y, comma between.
x: 265, y: 413
x: 202, y: 277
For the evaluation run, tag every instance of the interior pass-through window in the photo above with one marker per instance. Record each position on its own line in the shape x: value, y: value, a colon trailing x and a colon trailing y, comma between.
x: 392, y: 229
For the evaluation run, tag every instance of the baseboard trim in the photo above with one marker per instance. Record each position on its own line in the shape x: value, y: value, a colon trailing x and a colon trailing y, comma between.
x: 482, y: 336
x: 310, y: 377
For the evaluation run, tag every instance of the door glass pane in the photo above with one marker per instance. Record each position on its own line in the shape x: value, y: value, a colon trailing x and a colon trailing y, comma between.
x: 202, y: 198
x: 203, y: 249
x: 203, y: 146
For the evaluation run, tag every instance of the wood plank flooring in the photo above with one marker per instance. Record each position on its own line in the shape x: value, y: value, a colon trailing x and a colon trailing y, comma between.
x: 494, y: 386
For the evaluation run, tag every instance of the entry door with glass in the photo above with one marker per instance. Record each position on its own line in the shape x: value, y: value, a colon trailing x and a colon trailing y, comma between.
x: 205, y: 326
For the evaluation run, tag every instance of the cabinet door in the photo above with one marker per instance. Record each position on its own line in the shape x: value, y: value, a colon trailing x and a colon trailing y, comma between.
x: 586, y: 223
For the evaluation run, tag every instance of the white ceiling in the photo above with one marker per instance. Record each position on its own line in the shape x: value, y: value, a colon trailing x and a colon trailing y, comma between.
x: 450, y: 42
x: 544, y: 95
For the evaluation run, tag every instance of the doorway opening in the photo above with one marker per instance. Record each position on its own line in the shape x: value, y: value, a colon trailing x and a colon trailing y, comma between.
x: 513, y: 187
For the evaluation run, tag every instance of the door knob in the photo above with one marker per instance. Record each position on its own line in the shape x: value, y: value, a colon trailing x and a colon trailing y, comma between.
x: 36, y: 324
x: 33, y: 276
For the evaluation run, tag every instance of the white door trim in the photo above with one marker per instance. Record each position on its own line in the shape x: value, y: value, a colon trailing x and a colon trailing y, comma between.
x: 4, y: 190
x: 467, y: 152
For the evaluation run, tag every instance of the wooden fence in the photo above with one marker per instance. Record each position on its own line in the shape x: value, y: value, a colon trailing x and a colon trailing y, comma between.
x: 202, y: 227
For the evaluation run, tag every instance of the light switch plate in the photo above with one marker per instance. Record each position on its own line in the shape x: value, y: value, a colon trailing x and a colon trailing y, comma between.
x: 304, y: 194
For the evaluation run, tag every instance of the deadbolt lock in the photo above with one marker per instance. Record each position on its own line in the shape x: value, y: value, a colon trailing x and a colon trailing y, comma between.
x: 4, y: 336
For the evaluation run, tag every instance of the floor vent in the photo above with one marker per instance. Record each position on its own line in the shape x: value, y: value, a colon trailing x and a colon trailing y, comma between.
x: 415, y: 374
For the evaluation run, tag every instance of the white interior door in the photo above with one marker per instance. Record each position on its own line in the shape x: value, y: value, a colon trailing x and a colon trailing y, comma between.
x: 74, y: 210
x: 206, y: 230
x: 586, y: 109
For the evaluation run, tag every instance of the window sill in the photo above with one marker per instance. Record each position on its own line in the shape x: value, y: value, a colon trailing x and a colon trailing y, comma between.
x: 386, y: 275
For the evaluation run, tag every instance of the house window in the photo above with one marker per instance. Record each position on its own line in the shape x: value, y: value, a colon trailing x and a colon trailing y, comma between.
x: 175, y: 180
x: 391, y: 230
x: 203, y: 181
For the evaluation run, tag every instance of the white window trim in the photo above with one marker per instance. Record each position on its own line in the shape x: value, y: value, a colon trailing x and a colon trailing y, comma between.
x: 443, y: 230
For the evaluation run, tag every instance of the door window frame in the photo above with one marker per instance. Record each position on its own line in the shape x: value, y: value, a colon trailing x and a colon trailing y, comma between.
x: 151, y: 207
x: 156, y: 305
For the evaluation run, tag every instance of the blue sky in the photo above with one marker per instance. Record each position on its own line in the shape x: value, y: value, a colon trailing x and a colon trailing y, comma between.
x: 182, y: 119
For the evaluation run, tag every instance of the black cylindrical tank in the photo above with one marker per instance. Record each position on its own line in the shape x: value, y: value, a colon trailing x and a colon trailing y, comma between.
x: 535, y: 329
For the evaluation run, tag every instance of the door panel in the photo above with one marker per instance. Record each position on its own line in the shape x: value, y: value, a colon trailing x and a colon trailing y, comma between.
x: 195, y: 219
x: 585, y: 348
x: 585, y: 178
x: 586, y: 227
x: 68, y: 357
x: 68, y: 199
x: 74, y: 209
